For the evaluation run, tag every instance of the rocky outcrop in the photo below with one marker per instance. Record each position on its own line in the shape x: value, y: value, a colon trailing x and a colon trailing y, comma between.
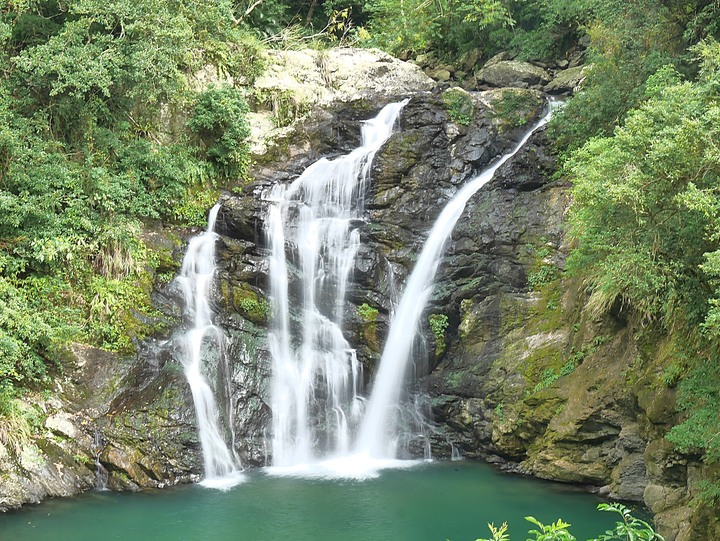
x: 340, y: 75
x: 129, y: 422
x: 113, y: 422
x: 512, y: 73
x: 536, y: 382
x: 527, y: 377
x: 297, y: 83
x: 567, y: 81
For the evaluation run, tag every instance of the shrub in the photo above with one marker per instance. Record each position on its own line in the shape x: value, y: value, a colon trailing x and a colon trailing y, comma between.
x: 459, y: 106
x: 628, y: 528
x: 218, y: 119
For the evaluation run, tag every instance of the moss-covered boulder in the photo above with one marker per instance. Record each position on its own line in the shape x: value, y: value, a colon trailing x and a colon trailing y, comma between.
x: 512, y: 73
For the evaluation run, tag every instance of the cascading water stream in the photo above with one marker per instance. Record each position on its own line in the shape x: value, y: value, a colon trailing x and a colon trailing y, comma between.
x: 316, y: 375
x: 316, y: 401
x: 202, y: 340
x: 379, y: 425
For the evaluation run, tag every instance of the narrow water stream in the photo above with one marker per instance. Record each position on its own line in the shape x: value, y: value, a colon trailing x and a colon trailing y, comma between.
x: 431, y: 502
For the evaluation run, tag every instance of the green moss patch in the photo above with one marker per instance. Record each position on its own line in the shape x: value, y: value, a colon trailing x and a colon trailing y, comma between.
x: 459, y: 106
x: 246, y: 301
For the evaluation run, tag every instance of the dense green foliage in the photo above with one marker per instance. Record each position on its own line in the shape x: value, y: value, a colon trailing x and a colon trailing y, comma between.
x: 628, y: 43
x: 644, y: 202
x: 90, y: 150
x: 629, y: 528
x: 453, y: 26
x: 646, y: 217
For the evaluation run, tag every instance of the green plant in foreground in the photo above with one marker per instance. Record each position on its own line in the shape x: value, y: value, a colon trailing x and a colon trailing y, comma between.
x: 498, y: 534
x: 499, y: 412
x: 629, y: 528
x: 219, y: 122
x: 557, y: 531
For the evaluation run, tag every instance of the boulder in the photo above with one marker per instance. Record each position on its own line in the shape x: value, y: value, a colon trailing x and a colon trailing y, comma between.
x: 62, y: 424
x: 512, y: 73
x: 660, y: 498
x: 439, y: 74
x: 471, y: 59
x: 343, y: 74
x: 499, y: 57
x: 567, y: 81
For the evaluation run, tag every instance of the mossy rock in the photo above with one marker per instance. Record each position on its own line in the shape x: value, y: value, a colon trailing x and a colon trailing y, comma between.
x: 459, y: 105
x: 401, y: 152
x: 243, y: 299
x: 541, y: 360
x: 515, y: 107
x: 368, y: 316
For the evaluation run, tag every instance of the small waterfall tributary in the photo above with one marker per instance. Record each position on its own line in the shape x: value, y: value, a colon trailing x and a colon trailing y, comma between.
x: 202, y: 343
x: 318, y: 409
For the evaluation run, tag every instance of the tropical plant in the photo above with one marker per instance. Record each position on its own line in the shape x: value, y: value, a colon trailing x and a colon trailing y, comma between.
x: 88, y: 152
x: 629, y: 528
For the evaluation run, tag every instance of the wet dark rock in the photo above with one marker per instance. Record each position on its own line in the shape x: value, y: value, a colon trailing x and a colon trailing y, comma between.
x: 531, y: 169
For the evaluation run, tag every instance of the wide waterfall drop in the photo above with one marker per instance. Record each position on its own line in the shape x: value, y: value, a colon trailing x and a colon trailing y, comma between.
x: 322, y: 424
x: 379, y: 425
x: 311, y: 227
x: 204, y: 340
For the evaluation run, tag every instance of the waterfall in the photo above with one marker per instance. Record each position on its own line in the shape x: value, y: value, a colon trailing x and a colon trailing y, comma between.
x: 318, y: 409
x: 313, y: 238
x: 101, y: 473
x: 379, y: 425
x: 201, y: 342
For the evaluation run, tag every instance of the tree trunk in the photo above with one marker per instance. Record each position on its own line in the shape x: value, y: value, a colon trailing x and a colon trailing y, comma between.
x: 311, y: 11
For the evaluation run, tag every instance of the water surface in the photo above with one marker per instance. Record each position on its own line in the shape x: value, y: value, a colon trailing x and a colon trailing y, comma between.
x: 432, y: 502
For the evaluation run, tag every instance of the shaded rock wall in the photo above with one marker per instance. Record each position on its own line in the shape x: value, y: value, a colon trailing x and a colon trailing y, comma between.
x: 528, y: 377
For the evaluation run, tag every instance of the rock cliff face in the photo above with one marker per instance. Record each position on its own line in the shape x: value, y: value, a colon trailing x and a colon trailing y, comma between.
x: 129, y: 422
x: 526, y: 376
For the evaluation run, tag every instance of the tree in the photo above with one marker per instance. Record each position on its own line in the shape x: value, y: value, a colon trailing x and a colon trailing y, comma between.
x: 85, y: 159
x: 447, y: 27
x: 645, y: 215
